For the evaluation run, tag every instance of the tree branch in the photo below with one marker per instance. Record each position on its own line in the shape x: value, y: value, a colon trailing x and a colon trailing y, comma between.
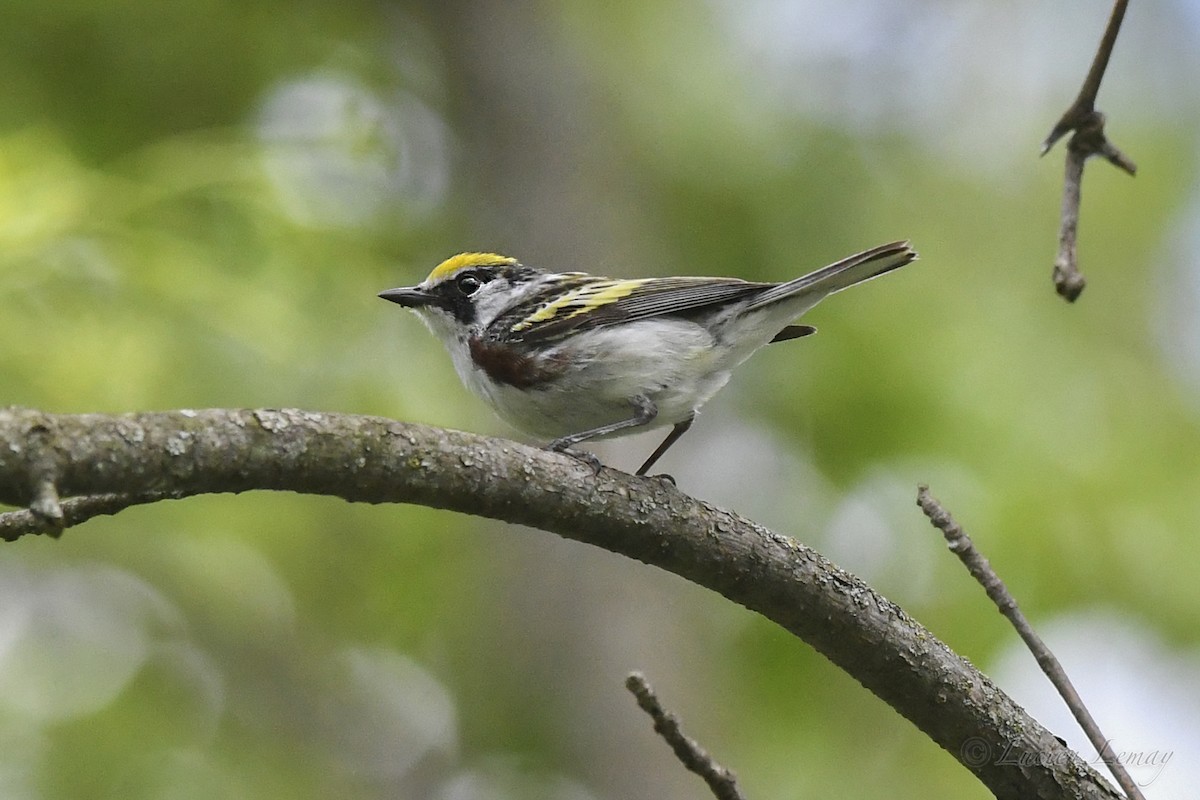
x: 374, y: 460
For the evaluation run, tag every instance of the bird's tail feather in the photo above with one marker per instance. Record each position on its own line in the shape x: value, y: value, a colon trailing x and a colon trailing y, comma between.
x: 841, y: 274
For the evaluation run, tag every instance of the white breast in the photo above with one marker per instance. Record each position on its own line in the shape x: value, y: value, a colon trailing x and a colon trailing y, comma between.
x: 667, y: 360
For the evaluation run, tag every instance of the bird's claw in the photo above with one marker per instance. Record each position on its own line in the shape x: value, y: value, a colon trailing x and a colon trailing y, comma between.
x: 582, y: 456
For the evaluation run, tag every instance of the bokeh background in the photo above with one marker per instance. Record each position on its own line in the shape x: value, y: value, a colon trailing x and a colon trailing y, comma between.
x: 199, y: 201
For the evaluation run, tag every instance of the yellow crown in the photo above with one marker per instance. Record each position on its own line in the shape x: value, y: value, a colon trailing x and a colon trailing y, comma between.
x: 466, y: 260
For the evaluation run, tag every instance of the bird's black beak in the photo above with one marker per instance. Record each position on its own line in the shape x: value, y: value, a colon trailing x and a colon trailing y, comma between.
x: 409, y: 297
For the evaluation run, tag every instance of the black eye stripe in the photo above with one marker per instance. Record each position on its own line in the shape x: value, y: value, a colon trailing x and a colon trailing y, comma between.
x: 457, y: 292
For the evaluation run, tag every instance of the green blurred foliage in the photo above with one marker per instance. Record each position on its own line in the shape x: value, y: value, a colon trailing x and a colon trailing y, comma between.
x: 199, y: 201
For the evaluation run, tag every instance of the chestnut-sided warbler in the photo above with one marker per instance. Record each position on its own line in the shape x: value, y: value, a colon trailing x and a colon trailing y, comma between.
x: 572, y: 356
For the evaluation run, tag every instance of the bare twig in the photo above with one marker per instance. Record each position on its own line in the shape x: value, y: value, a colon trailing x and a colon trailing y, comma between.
x: 74, y: 511
x: 1068, y: 280
x: 721, y: 781
x: 961, y: 545
x: 1085, y: 101
x: 1088, y: 140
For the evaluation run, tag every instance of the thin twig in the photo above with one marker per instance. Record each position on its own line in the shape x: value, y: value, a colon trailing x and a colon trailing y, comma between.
x: 721, y: 781
x: 72, y: 511
x: 1085, y: 101
x: 1087, y: 140
x: 961, y: 545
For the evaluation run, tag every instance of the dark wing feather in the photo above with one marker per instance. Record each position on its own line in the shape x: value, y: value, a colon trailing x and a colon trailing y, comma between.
x: 676, y: 295
x: 656, y: 297
x: 793, y: 332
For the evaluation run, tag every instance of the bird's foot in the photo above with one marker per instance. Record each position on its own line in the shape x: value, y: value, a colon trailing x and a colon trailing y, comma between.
x: 582, y: 456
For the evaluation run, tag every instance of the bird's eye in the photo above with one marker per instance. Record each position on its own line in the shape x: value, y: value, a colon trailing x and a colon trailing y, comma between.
x: 468, y: 284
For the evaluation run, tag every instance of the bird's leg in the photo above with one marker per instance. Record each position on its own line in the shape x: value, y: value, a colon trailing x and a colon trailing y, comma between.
x: 679, y: 430
x: 644, y: 412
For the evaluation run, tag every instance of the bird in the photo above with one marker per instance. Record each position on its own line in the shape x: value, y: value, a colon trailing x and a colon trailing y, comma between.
x: 573, y: 357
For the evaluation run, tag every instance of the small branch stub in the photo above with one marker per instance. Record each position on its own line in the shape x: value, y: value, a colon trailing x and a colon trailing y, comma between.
x: 47, y: 509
